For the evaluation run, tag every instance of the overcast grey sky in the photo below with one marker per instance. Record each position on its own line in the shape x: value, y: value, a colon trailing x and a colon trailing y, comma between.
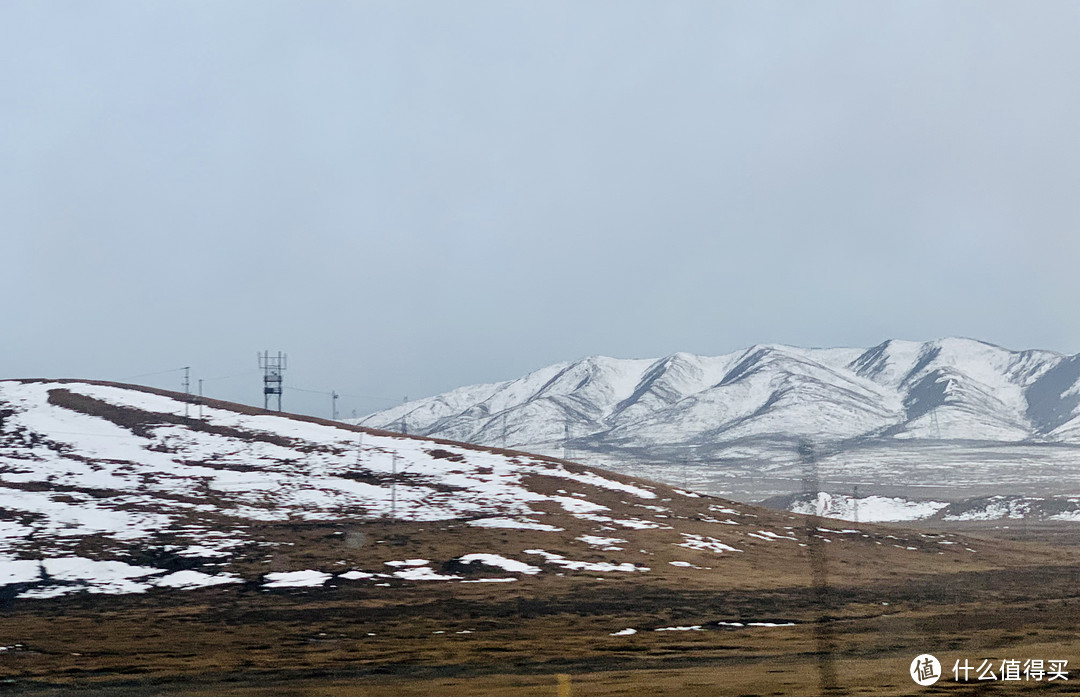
x: 412, y: 196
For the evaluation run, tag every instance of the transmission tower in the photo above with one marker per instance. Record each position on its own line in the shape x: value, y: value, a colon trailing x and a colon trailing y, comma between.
x: 273, y: 367
x: 566, y: 439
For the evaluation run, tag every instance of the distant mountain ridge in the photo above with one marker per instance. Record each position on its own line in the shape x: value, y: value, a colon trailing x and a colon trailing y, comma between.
x: 949, y: 419
x: 949, y: 389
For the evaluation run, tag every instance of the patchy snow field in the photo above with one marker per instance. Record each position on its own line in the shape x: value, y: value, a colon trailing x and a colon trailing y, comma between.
x: 125, y: 466
x: 112, y: 490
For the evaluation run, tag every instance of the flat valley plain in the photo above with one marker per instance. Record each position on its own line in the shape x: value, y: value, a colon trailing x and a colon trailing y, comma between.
x: 851, y: 609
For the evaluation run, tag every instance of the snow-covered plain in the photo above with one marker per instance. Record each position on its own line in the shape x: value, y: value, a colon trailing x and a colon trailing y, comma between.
x: 868, y: 509
x: 880, y: 509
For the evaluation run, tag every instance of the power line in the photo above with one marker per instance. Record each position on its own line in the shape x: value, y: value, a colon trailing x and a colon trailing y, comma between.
x: 301, y: 389
x: 340, y: 394
x: 146, y: 375
x: 333, y: 394
x: 234, y: 375
x: 366, y: 396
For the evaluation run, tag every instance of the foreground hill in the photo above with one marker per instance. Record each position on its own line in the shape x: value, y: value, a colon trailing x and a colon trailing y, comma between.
x: 149, y: 544
x: 972, y: 418
x: 110, y: 489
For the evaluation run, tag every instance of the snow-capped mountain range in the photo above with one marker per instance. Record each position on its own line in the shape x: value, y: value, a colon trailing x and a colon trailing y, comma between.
x: 746, y: 410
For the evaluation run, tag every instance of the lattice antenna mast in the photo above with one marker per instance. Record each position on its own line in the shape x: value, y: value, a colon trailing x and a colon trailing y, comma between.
x: 273, y: 368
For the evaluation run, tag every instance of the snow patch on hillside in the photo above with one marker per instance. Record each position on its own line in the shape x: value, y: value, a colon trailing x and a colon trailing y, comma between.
x: 124, y: 466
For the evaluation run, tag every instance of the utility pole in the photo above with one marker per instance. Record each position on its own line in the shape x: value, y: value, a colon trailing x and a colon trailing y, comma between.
x: 824, y: 633
x: 855, y: 502
x: 200, y: 399
x: 393, y: 486
x: 333, y: 404
x: 187, y: 387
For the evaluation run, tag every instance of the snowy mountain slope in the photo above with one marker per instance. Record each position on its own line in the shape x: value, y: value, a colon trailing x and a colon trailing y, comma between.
x: 85, y: 465
x: 109, y: 489
x: 972, y: 389
x: 755, y: 404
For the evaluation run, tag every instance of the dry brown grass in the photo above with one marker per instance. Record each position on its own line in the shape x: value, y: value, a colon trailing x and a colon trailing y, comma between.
x: 1014, y: 602
x: 889, y: 594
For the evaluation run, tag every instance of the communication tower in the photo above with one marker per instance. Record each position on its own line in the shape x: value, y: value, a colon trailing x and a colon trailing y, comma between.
x: 273, y: 367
